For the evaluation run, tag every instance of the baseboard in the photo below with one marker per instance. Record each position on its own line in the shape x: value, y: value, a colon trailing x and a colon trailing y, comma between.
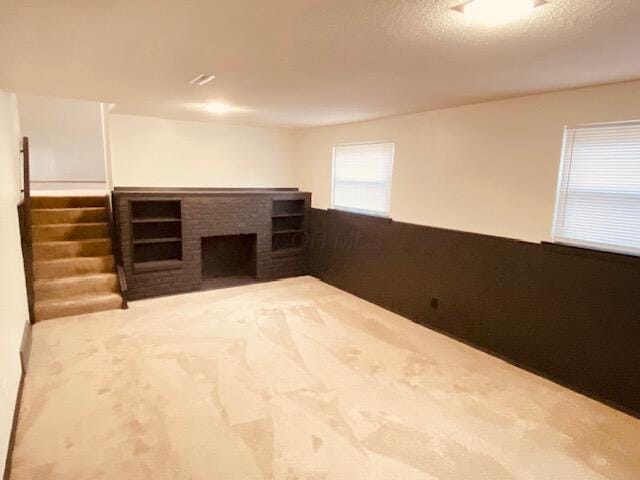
x: 25, y: 347
x: 25, y: 353
x: 14, y: 428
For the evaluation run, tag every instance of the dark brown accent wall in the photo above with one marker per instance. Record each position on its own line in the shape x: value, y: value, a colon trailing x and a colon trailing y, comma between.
x: 570, y: 315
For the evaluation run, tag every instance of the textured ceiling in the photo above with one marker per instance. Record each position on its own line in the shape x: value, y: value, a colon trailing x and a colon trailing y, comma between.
x: 298, y: 63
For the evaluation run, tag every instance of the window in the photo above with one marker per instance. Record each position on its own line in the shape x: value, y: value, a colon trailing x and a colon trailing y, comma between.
x: 362, y: 177
x: 598, y: 204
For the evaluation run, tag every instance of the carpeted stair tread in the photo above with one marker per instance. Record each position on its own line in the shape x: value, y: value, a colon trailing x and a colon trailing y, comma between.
x: 61, y: 288
x: 48, y: 216
x: 44, y: 201
x: 97, y: 247
x: 73, y: 266
x: 70, y: 231
x: 76, y: 305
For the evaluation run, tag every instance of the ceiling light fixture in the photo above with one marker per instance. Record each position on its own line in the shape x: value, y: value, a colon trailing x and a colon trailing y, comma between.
x: 220, y: 107
x: 497, y: 12
x: 202, y: 79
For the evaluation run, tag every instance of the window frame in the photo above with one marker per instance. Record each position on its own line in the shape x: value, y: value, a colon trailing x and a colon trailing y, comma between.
x: 372, y: 213
x: 556, y: 237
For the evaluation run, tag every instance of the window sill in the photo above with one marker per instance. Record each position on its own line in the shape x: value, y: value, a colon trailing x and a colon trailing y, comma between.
x: 586, y: 252
x: 370, y: 216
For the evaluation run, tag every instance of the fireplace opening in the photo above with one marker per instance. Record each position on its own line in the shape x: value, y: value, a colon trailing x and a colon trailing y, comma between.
x: 228, y: 260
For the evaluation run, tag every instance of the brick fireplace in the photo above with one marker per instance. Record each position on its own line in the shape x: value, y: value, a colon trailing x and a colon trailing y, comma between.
x: 167, y: 236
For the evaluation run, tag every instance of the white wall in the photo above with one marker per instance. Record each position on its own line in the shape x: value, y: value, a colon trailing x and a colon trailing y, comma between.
x: 13, y: 295
x: 66, y: 138
x: 487, y: 168
x: 169, y: 153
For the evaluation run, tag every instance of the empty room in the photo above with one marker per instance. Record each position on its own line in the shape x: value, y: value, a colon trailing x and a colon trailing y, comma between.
x: 320, y: 240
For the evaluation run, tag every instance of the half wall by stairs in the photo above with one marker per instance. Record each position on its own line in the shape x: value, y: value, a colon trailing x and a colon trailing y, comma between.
x: 73, y: 260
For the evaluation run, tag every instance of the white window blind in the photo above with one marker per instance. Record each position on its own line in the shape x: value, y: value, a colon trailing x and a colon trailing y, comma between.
x: 362, y: 177
x: 598, y: 203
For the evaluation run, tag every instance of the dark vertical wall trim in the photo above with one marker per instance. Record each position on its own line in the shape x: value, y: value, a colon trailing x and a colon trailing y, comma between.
x: 569, y: 316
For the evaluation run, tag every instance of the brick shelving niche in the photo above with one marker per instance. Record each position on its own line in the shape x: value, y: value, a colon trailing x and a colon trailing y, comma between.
x: 156, y: 234
x: 287, y: 226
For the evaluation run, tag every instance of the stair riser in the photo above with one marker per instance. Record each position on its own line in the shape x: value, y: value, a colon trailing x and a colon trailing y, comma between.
x: 48, y: 217
x: 73, y: 267
x: 67, y: 202
x: 94, y: 248
x: 79, y: 287
x: 70, y: 232
x: 48, y: 312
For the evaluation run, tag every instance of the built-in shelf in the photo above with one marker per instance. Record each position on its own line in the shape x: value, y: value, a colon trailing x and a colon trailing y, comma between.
x: 157, y: 265
x: 288, y: 206
x: 278, y: 232
x: 142, y: 241
x: 156, y: 220
x: 147, y: 209
x: 156, y: 234
x: 288, y: 252
x: 287, y: 226
x: 284, y: 215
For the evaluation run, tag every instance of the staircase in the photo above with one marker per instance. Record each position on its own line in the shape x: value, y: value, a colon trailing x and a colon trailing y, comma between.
x: 73, y: 263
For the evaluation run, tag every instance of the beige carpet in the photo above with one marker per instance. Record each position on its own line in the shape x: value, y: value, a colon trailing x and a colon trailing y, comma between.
x: 296, y: 380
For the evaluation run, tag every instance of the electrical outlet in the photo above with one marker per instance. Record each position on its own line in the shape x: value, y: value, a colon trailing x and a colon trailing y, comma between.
x: 435, y: 302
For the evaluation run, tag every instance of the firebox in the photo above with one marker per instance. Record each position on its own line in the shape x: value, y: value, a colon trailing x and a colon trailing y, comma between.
x: 228, y: 260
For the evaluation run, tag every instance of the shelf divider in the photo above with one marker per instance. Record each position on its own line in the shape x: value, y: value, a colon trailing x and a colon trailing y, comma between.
x: 146, y: 241
x: 155, y: 220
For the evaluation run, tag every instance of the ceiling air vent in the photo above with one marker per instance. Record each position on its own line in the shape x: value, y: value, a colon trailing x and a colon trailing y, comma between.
x: 202, y: 79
